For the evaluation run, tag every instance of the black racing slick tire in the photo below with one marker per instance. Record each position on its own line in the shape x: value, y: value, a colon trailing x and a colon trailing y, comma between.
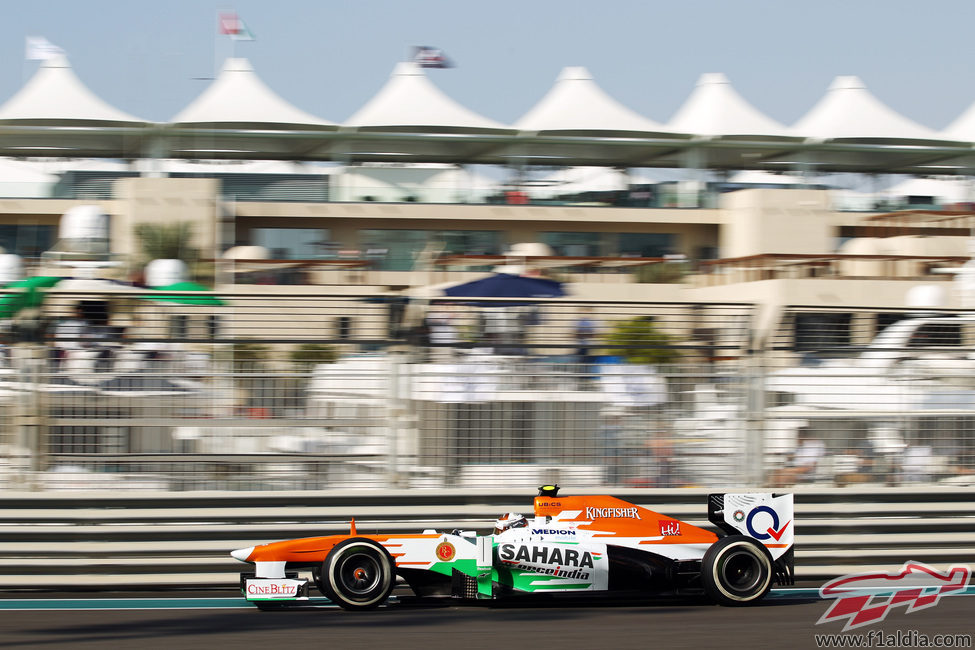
x: 316, y: 575
x: 736, y: 571
x: 358, y: 574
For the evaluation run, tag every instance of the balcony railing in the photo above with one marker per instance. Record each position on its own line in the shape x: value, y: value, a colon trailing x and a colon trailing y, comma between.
x: 797, y: 266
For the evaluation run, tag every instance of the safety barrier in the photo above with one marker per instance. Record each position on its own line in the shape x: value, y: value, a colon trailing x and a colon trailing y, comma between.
x: 116, y: 540
x: 304, y: 391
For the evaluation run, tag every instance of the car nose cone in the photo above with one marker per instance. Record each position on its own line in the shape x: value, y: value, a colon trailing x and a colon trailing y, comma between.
x: 242, y: 553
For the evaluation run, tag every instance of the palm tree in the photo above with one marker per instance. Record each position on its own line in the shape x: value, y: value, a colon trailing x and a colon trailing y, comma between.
x: 167, y: 241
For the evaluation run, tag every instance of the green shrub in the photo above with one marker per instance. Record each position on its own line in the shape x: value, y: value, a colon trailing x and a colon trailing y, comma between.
x: 245, y: 357
x: 307, y: 355
x: 638, y: 340
x: 663, y: 273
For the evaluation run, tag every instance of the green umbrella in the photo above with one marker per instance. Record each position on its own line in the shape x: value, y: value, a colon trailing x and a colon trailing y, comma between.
x: 184, y: 300
x: 12, y: 303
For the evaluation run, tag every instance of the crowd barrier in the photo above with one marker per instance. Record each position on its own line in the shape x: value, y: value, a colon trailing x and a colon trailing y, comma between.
x: 85, y: 541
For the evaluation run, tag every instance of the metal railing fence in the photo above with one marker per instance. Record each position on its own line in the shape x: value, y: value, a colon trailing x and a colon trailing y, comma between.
x: 60, y: 541
x: 308, y: 391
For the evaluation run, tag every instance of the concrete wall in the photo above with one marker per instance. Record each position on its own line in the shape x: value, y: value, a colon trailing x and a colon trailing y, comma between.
x: 776, y: 221
x: 165, y: 200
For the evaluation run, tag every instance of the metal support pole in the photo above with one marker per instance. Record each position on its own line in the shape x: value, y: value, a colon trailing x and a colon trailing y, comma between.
x: 396, y: 418
x: 755, y: 422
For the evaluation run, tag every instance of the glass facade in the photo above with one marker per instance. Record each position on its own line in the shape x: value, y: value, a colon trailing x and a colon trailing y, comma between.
x: 594, y: 244
x: 651, y: 244
x: 292, y: 243
x: 27, y: 240
x: 397, y: 250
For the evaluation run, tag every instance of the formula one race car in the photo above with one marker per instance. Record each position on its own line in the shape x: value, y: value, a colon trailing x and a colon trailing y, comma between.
x: 584, y: 544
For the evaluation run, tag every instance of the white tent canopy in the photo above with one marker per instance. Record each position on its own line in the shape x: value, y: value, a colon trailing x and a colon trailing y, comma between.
x: 571, y: 180
x: 715, y: 109
x: 576, y: 104
x: 948, y: 190
x: 22, y: 171
x: 849, y: 111
x: 963, y: 128
x: 55, y: 94
x: 411, y: 121
x: 759, y: 177
x: 25, y: 179
x: 238, y: 96
x: 409, y: 99
x: 431, y: 183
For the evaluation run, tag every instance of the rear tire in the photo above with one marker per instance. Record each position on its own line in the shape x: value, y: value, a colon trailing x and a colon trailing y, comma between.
x: 358, y: 574
x: 316, y: 575
x: 736, y: 571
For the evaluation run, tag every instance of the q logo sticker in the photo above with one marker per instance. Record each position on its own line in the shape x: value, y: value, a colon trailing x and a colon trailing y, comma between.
x: 445, y: 551
x: 771, y: 531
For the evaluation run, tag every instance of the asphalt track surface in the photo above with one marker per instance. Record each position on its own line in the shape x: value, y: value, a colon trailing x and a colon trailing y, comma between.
x: 175, y: 621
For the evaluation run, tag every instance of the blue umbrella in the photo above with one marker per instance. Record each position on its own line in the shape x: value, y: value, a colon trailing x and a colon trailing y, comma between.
x: 505, y: 285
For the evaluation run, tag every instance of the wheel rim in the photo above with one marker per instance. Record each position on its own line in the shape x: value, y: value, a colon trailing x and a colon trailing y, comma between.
x: 741, y: 571
x: 359, y: 573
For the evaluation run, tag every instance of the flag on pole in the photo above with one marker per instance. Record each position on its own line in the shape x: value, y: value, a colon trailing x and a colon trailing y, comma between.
x: 430, y: 57
x: 234, y: 27
x: 40, y: 49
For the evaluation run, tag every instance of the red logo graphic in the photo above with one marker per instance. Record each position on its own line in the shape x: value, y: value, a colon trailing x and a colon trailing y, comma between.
x: 777, y: 534
x: 669, y: 527
x: 273, y: 589
x: 446, y: 551
x: 866, y: 598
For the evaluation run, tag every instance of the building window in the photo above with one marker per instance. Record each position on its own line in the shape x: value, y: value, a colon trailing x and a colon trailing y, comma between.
x: 577, y: 244
x: 623, y: 244
x: 292, y: 243
x: 936, y: 335
x: 886, y: 319
x: 818, y: 331
x: 646, y: 244
x: 213, y: 326
x: 26, y: 240
x: 400, y: 250
x: 178, y: 326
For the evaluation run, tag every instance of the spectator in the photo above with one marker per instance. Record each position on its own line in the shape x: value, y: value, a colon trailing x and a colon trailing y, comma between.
x: 5, y: 356
x: 655, y: 461
x: 805, y: 460
x: 586, y: 331
x: 611, y: 444
x: 113, y: 340
x: 71, y: 334
x: 442, y: 329
x: 917, y: 464
x: 852, y: 467
x: 501, y: 329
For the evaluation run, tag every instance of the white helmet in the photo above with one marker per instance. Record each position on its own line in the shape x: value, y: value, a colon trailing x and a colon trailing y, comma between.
x: 509, y: 521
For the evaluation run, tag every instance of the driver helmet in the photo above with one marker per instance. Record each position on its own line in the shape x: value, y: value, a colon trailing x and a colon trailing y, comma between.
x: 508, y: 521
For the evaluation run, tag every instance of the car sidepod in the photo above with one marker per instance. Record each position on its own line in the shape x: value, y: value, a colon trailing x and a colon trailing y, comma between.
x: 534, y: 565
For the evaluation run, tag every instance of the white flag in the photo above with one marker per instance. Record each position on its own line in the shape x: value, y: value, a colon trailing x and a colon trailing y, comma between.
x: 40, y: 49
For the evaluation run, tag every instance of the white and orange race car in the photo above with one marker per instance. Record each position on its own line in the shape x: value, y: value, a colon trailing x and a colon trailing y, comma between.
x: 575, y: 544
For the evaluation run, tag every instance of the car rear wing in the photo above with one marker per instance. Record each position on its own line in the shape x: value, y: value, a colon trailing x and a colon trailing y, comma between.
x: 763, y: 516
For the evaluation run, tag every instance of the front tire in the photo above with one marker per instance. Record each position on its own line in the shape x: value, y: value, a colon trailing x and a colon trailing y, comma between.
x: 358, y: 574
x: 736, y: 571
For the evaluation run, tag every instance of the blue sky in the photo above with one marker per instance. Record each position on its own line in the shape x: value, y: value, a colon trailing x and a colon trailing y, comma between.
x: 329, y: 57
